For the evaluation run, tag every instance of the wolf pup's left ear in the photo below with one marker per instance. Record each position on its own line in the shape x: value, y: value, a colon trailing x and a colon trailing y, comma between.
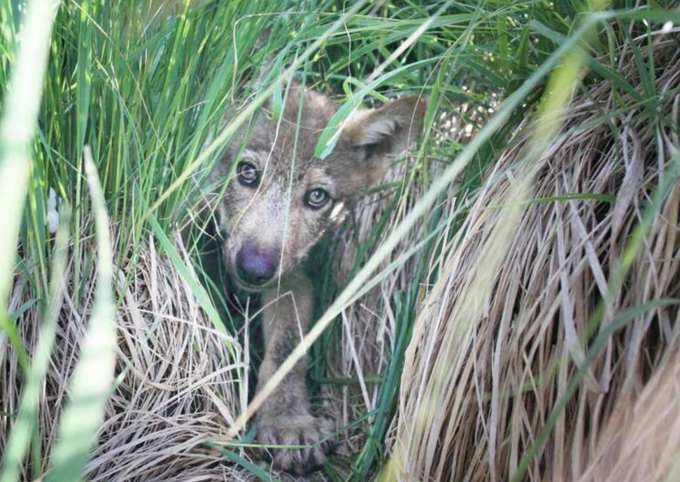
x: 386, y: 132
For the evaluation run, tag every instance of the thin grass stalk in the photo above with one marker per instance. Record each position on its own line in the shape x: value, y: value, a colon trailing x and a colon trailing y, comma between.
x: 17, y: 131
x: 27, y: 421
x: 93, y: 377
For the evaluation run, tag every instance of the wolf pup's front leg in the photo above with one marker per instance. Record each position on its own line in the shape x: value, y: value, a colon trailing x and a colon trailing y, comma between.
x: 286, y: 417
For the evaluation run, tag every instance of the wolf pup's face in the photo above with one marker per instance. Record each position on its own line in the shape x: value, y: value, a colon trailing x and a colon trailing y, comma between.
x: 281, y: 199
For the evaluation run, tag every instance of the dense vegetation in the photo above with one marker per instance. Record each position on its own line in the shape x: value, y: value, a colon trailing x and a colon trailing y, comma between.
x: 131, y: 120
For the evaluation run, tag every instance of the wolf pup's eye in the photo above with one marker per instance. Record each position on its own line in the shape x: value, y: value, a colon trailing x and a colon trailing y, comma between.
x: 247, y: 174
x: 316, y: 198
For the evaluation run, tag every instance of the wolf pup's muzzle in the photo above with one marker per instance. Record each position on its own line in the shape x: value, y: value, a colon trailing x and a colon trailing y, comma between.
x: 256, y: 268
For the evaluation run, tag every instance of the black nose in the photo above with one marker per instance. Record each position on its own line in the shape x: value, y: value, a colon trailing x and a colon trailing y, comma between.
x: 256, y: 267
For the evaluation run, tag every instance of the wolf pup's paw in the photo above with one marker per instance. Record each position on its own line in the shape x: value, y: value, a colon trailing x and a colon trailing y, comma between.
x: 303, y: 431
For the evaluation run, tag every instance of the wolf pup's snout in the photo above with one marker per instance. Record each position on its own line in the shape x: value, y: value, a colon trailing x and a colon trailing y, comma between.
x: 255, y: 267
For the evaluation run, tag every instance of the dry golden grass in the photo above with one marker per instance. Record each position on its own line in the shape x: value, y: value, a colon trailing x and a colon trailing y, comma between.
x: 176, y: 378
x: 482, y: 380
x: 641, y: 439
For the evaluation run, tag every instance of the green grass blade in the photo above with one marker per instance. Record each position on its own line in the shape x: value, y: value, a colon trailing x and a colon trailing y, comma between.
x: 93, y: 376
x: 196, y: 288
x: 252, y: 468
x: 17, y: 130
x: 27, y: 420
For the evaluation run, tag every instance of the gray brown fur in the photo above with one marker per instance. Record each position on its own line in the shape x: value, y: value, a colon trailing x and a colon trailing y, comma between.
x: 271, y: 221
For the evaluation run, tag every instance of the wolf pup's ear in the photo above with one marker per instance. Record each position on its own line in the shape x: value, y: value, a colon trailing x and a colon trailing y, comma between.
x: 386, y: 132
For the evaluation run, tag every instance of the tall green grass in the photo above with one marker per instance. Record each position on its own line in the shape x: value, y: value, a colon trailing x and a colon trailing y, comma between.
x: 146, y: 87
x: 16, y: 131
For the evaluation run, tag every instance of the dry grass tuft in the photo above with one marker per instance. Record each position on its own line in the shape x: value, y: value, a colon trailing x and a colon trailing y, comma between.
x: 480, y: 385
x: 178, y: 383
x: 641, y: 439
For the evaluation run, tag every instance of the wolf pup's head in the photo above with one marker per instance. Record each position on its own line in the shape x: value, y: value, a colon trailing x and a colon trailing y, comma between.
x: 281, y: 199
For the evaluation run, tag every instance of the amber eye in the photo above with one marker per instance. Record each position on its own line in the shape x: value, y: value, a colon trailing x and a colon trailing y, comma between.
x: 316, y: 198
x: 247, y: 174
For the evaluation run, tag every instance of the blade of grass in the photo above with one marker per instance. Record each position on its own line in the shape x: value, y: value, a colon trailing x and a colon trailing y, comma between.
x: 27, y: 420
x: 252, y: 468
x: 17, y: 130
x: 83, y: 88
x: 93, y: 376
x: 196, y: 288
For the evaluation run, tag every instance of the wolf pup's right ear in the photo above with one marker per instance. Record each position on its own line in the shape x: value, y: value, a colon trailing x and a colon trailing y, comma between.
x: 386, y: 132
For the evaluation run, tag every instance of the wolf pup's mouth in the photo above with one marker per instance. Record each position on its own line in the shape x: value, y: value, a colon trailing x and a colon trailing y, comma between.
x: 251, y: 288
x: 245, y: 284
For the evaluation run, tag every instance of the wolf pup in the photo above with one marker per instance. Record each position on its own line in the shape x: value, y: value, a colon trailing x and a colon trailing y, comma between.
x: 278, y: 204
